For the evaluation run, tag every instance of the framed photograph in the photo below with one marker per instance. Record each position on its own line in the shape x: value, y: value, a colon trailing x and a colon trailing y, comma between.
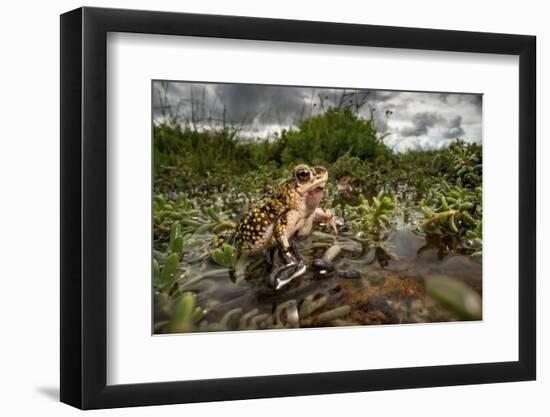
x: 256, y: 208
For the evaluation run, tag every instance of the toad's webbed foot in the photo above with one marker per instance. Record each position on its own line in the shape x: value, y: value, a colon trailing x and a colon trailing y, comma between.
x: 287, y: 267
x: 284, y: 274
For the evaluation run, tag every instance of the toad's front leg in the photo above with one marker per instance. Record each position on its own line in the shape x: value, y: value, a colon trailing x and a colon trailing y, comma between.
x: 325, y: 216
x: 318, y: 216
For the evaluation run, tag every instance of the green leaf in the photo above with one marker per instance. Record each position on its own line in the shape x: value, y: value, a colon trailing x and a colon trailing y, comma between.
x: 175, y: 231
x: 169, y: 270
x: 156, y: 270
x: 213, y: 215
x: 224, y: 256
x: 455, y: 296
x: 182, y: 318
x: 177, y: 246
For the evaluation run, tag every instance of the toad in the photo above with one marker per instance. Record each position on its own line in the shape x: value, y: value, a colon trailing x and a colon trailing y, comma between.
x: 289, y: 212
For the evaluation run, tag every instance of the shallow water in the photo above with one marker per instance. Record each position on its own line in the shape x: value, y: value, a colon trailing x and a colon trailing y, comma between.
x: 385, y: 285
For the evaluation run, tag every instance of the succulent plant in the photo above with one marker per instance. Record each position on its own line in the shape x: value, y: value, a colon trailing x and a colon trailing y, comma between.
x: 225, y: 256
x: 455, y: 210
x: 371, y: 220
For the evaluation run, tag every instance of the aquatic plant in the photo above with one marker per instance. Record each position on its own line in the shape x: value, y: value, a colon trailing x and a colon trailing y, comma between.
x: 311, y: 304
x: 166, y: 264
x: 455, y: 296
x: 371, y: 220
x: 186, y: 314
x: 334, y: 314
x: 181, y: 211
x: 454, y: 210
x: 475, y: 239
x: 224, y: 256
x: 466, y: 159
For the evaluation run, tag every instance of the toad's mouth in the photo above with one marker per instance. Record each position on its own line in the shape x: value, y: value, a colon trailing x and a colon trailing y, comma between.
x: 319, y: 183
x: 318, y: 186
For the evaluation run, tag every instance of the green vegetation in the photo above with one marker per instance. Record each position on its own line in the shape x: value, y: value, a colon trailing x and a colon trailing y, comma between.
x: 454, y: 210
x: 371, y: 219
x: 326, y: 137
x: 204, y: 180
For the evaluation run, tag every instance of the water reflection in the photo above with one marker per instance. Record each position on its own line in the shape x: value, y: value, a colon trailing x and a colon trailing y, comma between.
x: 363, y: 285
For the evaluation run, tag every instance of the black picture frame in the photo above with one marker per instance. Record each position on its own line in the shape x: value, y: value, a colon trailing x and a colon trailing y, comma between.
x: 84, y: 207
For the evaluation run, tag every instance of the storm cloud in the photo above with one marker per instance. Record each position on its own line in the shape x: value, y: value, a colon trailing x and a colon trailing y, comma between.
x: 408, y: 120
x: 421, y: 122
x: 455, y: 129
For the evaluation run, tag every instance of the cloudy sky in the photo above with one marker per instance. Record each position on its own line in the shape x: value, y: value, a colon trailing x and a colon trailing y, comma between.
x: 412, y: 120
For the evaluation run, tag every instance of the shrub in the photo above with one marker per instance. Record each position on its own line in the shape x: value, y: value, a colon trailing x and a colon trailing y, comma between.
x: 330, y: 135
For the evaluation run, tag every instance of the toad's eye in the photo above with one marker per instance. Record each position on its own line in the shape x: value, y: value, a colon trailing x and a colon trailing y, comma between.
x: 303, y: 175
